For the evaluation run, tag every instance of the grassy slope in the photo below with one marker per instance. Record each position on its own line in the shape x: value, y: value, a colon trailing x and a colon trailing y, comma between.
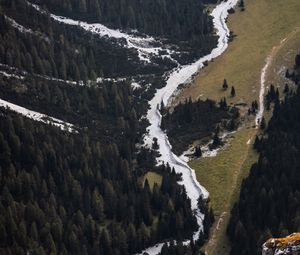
x: 264, y: 24
x: 285, y: 58
x: 230, y: 182
x: 220, y: 176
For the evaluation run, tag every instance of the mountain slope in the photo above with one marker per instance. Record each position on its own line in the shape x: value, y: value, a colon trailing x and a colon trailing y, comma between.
x: 269, y: 199
x: 81, y: 192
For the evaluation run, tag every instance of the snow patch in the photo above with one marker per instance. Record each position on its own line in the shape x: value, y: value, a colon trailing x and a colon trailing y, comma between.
x: 261, y: 110
x: 101, y: 79
x: 8, y: 75
x: 38, y: 116
x: 135, y: 85
x: 24, y: 74
x: 145, y: 46
x: 23, y: 29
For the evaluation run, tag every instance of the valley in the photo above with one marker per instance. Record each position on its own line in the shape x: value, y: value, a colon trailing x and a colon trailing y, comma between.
x: 93, y: 96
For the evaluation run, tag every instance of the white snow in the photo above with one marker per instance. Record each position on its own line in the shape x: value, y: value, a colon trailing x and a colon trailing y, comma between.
x: 16, y: 25
x: 38, y: 116
x: 178, y: 76
x: 260, y: 112
x: 135, y: 85
x: 8, y: 75
x: 185, y: 155
x: 23, y: 29
x: 101, y: 79
x: 144, y: 45
x: 24, y: 73
x: 263, y: 87
x: 206, y: 151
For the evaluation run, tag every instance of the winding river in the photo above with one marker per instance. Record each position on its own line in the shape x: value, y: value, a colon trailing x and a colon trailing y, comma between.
x: 181, y: 75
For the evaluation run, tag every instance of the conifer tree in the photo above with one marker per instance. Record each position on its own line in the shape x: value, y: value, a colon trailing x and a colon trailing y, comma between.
x: 198, y: 152
x: 232, y: 93
x: 286, y: 89
x: 82, y: 6
x: 225, y: 84
x: 242, y: 5
x: 263, y: 123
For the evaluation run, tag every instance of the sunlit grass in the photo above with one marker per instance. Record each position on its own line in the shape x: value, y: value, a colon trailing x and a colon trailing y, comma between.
x: 220, y: 174
x: 260, y: 27
x: 152, y: 178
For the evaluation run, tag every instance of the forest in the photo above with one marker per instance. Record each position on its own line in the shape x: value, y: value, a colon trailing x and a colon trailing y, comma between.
x: 199, y: 120
x: 60, y: 189
x: 59, y: 52
x: 181, y: 20
x: 82, y: 192
x: 65, y: 52
x: 269, y: 203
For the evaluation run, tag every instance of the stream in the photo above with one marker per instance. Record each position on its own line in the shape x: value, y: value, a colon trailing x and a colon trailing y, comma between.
x: 178, y: 76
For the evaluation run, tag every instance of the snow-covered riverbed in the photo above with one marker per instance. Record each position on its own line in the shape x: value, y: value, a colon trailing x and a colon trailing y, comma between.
x: 177, y: 77
x: 38, y: 116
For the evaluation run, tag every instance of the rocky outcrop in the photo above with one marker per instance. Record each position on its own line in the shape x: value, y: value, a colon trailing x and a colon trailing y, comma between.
x: 289, y: 245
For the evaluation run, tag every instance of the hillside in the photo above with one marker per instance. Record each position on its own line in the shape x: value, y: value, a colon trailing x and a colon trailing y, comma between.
x: 264, y: 32
x: 182, y: 20
x: 131, y: 126
x: 269, y: 200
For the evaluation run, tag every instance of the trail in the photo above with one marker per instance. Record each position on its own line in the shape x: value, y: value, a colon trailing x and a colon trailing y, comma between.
x: 210, y: 246
x: 264, y: 71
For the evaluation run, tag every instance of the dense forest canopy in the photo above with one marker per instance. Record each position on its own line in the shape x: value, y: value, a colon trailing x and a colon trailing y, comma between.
x: 81, y: 193
x: 191, y: 121
x: 59, y: 190
x: 59, y: 52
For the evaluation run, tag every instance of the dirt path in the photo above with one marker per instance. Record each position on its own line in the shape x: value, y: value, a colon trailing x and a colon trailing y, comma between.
x: 221, y: 222
x: 213, y: 235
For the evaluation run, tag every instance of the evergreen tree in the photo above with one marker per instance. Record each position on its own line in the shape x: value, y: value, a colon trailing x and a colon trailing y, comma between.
x: 225, y: 84
x: 269, y: 198
x: 82, y: 6
x: 232, y: 93
x: 242, y: 5
x: 286, y: 89
x: 198, y: 152
x: 263, y: 123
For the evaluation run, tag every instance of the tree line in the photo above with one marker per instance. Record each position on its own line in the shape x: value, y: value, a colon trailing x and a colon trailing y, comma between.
x: 191, y: 121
